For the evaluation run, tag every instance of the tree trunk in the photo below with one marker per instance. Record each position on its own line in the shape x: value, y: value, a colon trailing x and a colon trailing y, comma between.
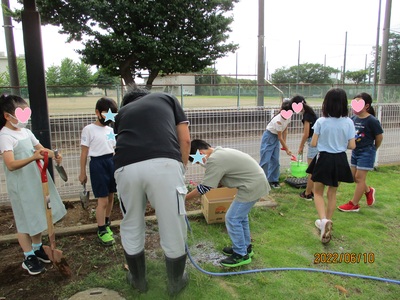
x: 126, y: 73
x: 152, y: 75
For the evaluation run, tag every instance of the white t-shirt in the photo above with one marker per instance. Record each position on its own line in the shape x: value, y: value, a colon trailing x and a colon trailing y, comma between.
x: 273, y: 125
x: 97, y: 139
x: 9, y: 138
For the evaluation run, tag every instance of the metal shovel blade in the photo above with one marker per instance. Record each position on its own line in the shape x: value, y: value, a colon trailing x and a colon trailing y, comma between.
x: 84, y: 196
x: 60, y: 169
x: 62, y: 173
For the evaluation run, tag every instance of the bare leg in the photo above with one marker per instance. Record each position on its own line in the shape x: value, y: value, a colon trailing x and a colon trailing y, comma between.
x: 361, y: 186
x: 319, y: 199
x: 110, y: 204
x: 25, y: 241
x: 331, y: 193
x: 101, y: 208
x: 310, y: 183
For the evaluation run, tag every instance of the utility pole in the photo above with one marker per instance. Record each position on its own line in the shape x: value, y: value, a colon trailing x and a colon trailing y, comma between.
x: 12, y: 60
x: 384, y: 53
x: 344, y: 61
x: 298, y: 69
x: 260, y: 63
x: 377, y: 51
x: 35, y: 74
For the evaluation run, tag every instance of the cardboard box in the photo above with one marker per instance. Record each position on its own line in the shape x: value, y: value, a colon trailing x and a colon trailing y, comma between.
x: 215, y: 204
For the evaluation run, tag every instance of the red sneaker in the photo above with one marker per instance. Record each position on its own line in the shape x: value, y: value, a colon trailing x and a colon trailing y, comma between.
x: 370, y: 196
x: 349, y: 207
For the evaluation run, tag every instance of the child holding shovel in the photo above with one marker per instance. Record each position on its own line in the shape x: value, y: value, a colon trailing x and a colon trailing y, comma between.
x: 20, y: 150
x: 98, y: 142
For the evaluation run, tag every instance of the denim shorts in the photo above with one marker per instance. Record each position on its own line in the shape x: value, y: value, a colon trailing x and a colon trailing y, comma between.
x: 363, y: 158
x: 311, y: 151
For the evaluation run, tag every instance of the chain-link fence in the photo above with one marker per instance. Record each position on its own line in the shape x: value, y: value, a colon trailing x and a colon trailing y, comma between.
x: 239, y: 127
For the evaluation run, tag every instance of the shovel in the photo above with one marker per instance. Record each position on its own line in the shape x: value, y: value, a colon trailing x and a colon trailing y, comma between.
x: 60, y: 169
x: 84, y: 196
x: 54, y: 254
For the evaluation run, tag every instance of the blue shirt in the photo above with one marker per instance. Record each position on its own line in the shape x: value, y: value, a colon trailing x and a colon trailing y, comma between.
x: 334, y: 134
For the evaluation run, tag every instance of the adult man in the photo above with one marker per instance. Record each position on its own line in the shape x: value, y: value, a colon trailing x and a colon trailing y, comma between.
x: 152, y: 149
x: 234, y: 169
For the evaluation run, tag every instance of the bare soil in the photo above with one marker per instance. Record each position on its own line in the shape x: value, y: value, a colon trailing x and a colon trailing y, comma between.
x: 80, y: 251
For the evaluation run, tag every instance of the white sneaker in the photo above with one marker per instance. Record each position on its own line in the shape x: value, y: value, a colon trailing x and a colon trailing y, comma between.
x: 318, y: 224
x: 326, y: 231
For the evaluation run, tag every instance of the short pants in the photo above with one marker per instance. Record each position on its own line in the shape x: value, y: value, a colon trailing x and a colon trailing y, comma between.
x: 102, y: 175
x: 363, y: 158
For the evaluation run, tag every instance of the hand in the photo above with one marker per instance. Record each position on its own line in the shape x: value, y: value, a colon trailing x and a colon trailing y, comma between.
x: 82, y: 178
x: 300, y: 151
x: 288, y: 152
x: 37, y: 155
x: 58, y: 158
x: 50, y: 152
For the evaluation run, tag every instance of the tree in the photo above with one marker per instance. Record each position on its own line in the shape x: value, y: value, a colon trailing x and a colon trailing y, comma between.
x: 393, y: 66
x: 128, y: 36
x: 308, y: 73
x: 357, y: 76
x: 53, y: 79
x: 393, y: 59
x: 83, y: 77
x: 104, y: 81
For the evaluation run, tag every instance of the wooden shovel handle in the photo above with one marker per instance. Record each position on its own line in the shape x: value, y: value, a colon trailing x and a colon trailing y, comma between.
x: 46, y: 197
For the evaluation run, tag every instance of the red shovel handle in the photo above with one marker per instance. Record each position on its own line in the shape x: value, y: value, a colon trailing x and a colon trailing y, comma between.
x: 43, y: 168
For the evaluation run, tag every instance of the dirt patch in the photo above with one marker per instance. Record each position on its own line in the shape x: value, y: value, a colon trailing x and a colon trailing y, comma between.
x: 76, y: 215
x: 15, y: 283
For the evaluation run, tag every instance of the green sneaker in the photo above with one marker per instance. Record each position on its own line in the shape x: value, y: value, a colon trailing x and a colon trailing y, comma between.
x: 229, y: 251
x: 236, y: 260
x: 109, y: 230
x: 105, y: 238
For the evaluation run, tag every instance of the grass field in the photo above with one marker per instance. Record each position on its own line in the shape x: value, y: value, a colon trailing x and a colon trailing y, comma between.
x: 286, y: 237
x: 88, y: 103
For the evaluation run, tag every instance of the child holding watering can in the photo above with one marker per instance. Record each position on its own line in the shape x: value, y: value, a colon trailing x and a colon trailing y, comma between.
x: 20, y: 150
x: 369, y: 137
x: 275, y: 133
x: 97, y: 143
x: 308, y: 120
x: 333, y: 134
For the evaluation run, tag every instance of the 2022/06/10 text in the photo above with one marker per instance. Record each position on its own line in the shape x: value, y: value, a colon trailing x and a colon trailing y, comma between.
x: 344, y: 257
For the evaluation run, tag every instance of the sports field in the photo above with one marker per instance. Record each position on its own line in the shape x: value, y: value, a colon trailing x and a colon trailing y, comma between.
x: 87, y: 104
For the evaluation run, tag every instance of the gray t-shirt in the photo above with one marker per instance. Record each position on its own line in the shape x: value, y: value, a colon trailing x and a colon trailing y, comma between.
x: 235, y: 169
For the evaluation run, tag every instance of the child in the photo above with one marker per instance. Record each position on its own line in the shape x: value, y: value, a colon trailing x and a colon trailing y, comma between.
x: 269, y: 151
x: 308, y: 120
x: 369, y: 137
x: 333, y: 134
x: 97, y: 144
x: 20, y: 150
x: 233, y: 169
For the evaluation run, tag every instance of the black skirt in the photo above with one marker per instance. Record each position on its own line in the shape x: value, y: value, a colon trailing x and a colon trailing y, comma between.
x: 330, y: 169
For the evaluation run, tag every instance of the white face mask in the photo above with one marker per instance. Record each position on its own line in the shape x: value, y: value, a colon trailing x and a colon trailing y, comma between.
x: 20, y: 124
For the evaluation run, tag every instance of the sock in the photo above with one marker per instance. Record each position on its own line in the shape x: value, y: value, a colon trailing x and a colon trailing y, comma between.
x: 36, y: 247
x: 29, y: 253
x: 102, y: 228
x: 108, y: 221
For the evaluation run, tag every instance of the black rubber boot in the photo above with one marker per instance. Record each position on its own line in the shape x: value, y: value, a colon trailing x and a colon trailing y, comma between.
x: 136, y: 275
x: 177, y: 277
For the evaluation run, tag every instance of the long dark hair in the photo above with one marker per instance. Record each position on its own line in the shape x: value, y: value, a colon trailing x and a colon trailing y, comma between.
x: 368, y: 100
x: 335, y: 103
x: 8, y: 104
x: 307, y: 109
